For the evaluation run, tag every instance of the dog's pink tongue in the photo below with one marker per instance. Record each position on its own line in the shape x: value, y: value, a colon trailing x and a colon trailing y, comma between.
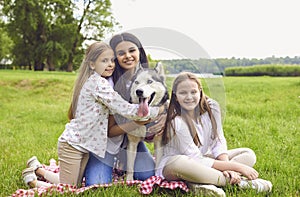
x: 143, y: 108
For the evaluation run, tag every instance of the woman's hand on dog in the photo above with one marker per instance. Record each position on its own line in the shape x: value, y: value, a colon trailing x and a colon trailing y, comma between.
x: 143, y: 122
x: 159, y: 125
x: 162, y: 109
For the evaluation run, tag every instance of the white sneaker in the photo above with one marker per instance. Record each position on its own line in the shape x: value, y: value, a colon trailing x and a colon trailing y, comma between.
x: 260, y: 185
x: 28, y: 175
x: 34, y: 163
x: 205, y: 190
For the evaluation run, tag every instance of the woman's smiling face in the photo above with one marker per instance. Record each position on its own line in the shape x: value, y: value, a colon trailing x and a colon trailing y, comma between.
x: 128, y: 55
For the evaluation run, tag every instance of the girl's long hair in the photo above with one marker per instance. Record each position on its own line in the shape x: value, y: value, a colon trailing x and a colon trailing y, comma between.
x: 85, y: 71
x: 176, y: 110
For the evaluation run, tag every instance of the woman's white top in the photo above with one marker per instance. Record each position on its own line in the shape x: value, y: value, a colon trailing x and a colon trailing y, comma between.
x: 97, y: 99
x: 182, y: 142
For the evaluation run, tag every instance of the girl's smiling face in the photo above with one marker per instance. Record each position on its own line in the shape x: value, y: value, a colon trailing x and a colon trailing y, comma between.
x: 128, y: 55
x: 104, y: 64
x: 188, y: 95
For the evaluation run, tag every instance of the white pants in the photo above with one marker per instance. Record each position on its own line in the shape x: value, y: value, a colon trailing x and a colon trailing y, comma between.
x: 175, y: 168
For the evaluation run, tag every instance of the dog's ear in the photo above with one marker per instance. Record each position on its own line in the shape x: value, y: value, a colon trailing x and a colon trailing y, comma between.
x: 140, y: 69
x: 159, y: 68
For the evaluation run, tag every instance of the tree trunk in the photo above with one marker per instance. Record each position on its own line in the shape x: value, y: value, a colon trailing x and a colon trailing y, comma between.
x: 70, y: 63
x: 51, y: 66
x: 38, y: 66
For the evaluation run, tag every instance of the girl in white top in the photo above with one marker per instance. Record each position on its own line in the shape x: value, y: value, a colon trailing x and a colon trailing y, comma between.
x: 194, y: 146
x: 93, y: 100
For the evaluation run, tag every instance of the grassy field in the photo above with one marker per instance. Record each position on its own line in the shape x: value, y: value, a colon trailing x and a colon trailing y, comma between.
x: 262, y: 113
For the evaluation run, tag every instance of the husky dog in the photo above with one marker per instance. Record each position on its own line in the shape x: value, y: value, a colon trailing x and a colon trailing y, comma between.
x: 148, y: 88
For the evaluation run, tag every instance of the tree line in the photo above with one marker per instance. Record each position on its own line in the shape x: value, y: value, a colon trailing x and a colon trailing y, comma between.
x: 274, y: 70
x: 218, y: 65
x: 51, y: 33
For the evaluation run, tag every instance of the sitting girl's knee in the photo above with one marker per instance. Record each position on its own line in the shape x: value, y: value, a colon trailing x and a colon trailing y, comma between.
x: 249, y: 156
x: 252, y: 155
x: 178, y: 161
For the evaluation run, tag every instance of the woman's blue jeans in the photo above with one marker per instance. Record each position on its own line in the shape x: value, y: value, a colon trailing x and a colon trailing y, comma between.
x: 99, y: 170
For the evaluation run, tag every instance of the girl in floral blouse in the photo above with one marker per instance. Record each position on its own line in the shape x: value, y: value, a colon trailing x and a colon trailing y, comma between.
x: 130, y: 56
x: 93, y: 101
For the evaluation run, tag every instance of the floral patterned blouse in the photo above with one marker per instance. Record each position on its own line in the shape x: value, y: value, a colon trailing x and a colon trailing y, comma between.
x: 97, y: 99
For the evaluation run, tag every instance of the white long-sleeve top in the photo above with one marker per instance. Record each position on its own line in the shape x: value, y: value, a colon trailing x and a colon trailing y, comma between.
x: 212, y: 147
x: 97, y: 99
x: 182, y: 142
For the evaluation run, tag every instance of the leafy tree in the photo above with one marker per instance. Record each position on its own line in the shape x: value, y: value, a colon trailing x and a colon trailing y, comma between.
x: 27, y: 26
x: 52, y: 31
x: 6, y: 44
x: 94, y: 20
x: 60, y: 35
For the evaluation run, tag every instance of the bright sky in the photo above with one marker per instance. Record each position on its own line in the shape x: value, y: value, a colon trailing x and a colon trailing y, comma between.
x: 223, y: 28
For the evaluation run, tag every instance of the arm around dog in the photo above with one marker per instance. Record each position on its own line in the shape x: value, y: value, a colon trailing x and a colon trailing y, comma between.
x: 115, y: 129
x: 107, y: 95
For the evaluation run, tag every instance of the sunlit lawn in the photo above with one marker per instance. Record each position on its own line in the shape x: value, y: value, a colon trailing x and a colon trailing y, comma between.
x: 262, y: 113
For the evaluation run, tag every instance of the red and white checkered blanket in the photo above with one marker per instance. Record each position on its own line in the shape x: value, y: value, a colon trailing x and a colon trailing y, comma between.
x: 145, y: 187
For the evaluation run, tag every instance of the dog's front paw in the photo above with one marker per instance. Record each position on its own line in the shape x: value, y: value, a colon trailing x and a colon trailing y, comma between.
x: 129, y: 177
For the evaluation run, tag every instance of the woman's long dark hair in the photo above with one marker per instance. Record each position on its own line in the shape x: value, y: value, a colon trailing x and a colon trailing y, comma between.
x: 120, y: 82
x: 115, y: 40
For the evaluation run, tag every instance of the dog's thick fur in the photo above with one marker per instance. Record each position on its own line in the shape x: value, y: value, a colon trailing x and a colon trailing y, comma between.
x: 146, y: 84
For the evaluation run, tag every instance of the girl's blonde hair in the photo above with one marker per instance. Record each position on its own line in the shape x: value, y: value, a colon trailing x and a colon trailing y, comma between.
x: 85, y: 71
x: 176, y: 110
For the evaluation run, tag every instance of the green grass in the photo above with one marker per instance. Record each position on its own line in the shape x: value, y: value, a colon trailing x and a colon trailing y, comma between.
x: 262, y: 113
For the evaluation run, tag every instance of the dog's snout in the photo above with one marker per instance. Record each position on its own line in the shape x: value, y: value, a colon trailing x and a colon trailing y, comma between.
x: 139, y: 92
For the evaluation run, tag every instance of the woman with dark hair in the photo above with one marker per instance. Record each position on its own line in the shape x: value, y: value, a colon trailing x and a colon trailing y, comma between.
x: 130, y: 56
